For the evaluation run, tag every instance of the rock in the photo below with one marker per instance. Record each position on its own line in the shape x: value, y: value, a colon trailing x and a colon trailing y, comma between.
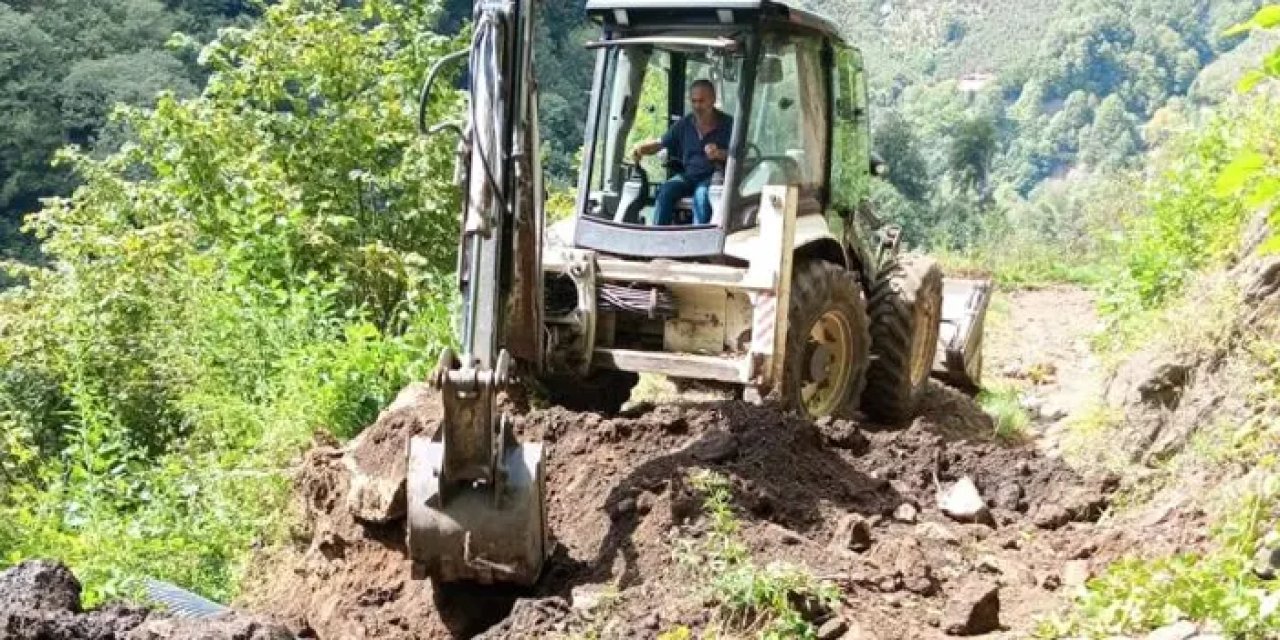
x: 41, y: 585
x: 785, y: 535
x: 1005, y: 517
x: 972, y: 609
x: 1050, y: 581
x: 1084, y: 550
x: 1050, y: 516
x: 1152, y: 378
x: 902, y: 565
x: 224, y: 626
x: 1075, y: 573
x: 832, y: 629
x: 586, y: 598
x: 1085, y: 503
x: 1014, y: 572
x: 938, y: 532
x: 376, y: 458
x: 1266, y: 563
x: 988, y: 564
x: 716, y: 446
x: 963, y: 503
x: 914, y: 570
x: 1261, y: 280
x: 1008, y: 496
x: 1178, y: 631
x: 853, y: 533
x: 843, y: 434
x: 906, y: 512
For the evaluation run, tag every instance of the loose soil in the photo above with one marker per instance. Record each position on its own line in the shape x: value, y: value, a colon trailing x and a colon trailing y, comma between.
x: 620, y: 506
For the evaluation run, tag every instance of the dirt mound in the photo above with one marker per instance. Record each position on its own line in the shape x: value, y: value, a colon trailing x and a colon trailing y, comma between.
x: 40, y: 600
x: 619, y: 502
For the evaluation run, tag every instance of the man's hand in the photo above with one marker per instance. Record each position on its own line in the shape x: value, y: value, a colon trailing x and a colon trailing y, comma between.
x: 714, y: 152
x: 636, y: 154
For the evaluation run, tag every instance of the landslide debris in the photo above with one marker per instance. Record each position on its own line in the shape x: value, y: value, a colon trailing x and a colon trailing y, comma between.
x: 40, y: 600
x: 820, y: 496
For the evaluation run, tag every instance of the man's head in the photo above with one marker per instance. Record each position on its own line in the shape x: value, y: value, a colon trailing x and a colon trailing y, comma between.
x: 702, y: 95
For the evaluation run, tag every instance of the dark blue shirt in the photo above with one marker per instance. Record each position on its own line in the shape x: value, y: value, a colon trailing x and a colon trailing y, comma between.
x: 684, y: 143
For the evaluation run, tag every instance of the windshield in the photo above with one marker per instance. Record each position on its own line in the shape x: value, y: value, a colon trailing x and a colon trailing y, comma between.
x: 645, y: 91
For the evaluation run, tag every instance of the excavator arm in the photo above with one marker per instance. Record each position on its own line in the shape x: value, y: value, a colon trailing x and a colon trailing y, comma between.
x: 476, y: 505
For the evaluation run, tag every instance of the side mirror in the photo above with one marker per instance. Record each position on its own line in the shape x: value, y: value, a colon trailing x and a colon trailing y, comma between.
x: 770, y: 71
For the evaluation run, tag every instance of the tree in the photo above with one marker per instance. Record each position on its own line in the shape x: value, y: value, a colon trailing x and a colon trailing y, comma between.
x: 897, y: 145
x: 971, y: 152
x: 29, y: 129
x: 1112, y: 141
x: 93, y: 87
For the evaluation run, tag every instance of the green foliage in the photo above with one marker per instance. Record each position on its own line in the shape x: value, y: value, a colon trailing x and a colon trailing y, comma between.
x: 63, y: 65
x: 258, y: 264
x: 897, y: 144
x: 1217, y: 587
x: 1254, y: 172
x: 1004, y: 404
x: 1192, y: 223
x: 973, y: 147
x: 759, y: 599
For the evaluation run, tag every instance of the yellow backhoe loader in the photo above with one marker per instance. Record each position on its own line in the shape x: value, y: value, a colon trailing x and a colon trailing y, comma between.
x: 793, y: 291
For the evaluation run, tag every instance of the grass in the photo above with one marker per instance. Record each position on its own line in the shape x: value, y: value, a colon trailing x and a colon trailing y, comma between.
x: 1024, y: 267
x: 752, y: 599
x: 1003, y: 402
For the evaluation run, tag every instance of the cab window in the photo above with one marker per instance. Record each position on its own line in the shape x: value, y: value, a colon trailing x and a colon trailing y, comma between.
x: 787, y: 143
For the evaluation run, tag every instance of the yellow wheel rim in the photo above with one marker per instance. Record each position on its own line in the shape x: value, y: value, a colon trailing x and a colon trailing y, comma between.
x: 827, y: 365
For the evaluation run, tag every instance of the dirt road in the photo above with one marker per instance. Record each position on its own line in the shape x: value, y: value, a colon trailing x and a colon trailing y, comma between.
x: 856, y: 506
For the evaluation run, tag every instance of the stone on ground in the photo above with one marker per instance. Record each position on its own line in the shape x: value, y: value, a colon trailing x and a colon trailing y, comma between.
x: 973, y: 609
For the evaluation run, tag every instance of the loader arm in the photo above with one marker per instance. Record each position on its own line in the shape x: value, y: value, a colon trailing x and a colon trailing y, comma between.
x: 475, y: 496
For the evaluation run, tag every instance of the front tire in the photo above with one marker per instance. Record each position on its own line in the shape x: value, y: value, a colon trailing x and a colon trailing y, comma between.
x: 827, y: 341
x: 906, y: 311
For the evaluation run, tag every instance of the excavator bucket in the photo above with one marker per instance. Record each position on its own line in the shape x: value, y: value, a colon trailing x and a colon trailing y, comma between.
x: 474, y: 533
x: 964, y: 310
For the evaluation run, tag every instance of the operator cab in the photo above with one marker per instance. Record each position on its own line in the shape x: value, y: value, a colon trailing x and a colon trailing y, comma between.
x: 774, y: 69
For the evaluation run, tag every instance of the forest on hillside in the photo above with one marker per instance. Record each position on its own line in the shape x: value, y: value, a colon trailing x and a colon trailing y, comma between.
x: 239, y: 251
x: 64, y: 65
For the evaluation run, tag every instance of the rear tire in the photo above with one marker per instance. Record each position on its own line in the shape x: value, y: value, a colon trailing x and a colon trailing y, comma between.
x: 827, y: 341
x: 605, y: 391
x: 906, y: 309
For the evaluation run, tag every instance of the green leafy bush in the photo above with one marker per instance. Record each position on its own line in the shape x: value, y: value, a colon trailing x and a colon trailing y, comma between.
x: 259, y: 264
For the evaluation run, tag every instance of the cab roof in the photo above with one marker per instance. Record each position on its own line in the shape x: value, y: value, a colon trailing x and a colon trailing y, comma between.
x: 624, y: 14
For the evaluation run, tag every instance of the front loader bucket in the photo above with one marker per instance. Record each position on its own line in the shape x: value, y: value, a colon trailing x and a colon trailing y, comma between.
x: 469, y: 534
x: 964, y: 310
